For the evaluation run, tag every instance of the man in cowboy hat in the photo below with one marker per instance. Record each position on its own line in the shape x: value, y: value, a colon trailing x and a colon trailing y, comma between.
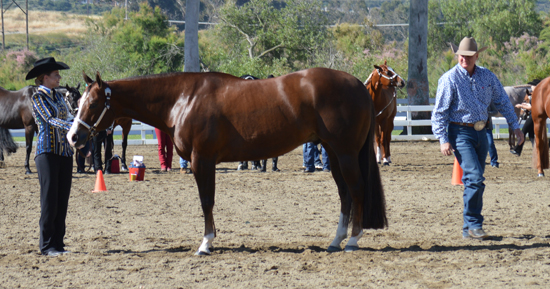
x: 53, y: 159
x: 458, y: 121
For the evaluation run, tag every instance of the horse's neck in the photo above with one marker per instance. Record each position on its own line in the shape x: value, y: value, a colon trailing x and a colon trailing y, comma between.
x: 139, y: 99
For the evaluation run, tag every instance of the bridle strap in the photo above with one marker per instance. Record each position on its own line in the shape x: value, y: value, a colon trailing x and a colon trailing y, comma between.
x: 107, y: 107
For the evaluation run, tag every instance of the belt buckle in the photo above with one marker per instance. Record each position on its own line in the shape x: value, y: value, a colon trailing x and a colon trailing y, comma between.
x: 479, y: 125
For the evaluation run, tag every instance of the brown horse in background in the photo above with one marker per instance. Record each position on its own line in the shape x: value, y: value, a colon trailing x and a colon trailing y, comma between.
x: 381, y: 84
x: 540, y: 108
x: 217, y: 117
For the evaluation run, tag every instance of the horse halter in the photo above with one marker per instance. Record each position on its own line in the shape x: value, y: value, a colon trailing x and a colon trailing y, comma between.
x: 107, y: 106
x: 391, y: 79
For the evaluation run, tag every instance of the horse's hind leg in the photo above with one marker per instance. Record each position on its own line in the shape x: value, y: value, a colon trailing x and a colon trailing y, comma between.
x: 205, y: 175
x: 2, y: 163
x: 345, y: 203
x: 378, y: 142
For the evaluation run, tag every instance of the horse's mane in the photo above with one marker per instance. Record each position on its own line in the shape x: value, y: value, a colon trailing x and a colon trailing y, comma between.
x: 155, y: 76
x: 368, y: 79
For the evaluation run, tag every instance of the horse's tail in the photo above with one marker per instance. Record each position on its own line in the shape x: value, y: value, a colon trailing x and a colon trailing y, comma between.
x: 374, y: 203
x: 6, y: 141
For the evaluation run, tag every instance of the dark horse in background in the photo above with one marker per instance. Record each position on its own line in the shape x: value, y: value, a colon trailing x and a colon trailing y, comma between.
x: 125, y: 123
x: 256, y: 165
x: 217, y: 117
x: 381, y: 84
x: 16, y: 113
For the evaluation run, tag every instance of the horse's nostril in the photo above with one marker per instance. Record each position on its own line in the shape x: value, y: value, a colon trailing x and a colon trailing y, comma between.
x: 74, y: 139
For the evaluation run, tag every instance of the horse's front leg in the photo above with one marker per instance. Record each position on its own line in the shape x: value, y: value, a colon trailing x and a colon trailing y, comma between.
x: 205, y: 176
x: 29, y: 135
x: 124, y: 146
x: 386, y: 140
x: 378, y: 142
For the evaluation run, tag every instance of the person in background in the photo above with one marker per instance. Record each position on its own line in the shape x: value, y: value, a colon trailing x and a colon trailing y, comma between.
x: 165, y: 149
x: 53, y: 160
x: 458, y: 121
x: 311, y: 159
x: 184, y: 166
x: 528, y: 126
x: 81, y: 156
x: 103, y: 139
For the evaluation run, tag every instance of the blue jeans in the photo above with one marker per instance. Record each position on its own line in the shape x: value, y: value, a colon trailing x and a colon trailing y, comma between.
x: 183, y: 163
x: 492, y: 149
x: 471, y: 149
x: 311, y: 157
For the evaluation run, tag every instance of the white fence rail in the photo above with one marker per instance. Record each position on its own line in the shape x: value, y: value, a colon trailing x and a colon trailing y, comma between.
x: 402, y: 120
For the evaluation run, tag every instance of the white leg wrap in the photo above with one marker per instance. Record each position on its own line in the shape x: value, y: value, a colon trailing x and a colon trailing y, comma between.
x: 378, y: 154
x: 341, y: 232
x: 204, y: 249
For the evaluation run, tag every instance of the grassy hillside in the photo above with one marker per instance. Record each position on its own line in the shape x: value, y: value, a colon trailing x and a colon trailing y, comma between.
x: 45, y: 28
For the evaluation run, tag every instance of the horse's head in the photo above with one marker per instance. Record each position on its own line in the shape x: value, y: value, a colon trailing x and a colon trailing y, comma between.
x: 71, y: 96
x: 93, y: 112
x: 388, y: 77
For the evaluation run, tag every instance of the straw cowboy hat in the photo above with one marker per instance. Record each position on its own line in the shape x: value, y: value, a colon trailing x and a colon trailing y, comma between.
x: 467, y: 47
x: 45, y: 65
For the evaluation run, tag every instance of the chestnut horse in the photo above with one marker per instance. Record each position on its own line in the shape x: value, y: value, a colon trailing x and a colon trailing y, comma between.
x: 217, y: 117
x: 540, y: 110
x: 125, y: 124
x: 16, y: 113
x: 381, y: 84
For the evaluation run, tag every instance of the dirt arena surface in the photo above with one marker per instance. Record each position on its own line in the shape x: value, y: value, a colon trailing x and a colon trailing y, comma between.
x: 273, y: 228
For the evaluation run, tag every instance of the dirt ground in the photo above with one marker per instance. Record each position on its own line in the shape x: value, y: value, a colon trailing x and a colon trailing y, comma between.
x: 273, y: 228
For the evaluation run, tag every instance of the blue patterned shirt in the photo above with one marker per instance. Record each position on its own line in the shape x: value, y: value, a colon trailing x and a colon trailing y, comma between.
x: 461, y: 98
x: 50, y: 114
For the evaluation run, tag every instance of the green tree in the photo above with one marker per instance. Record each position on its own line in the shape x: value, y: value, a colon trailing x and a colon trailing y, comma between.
x: 488, y: 21
x: 259, y: 34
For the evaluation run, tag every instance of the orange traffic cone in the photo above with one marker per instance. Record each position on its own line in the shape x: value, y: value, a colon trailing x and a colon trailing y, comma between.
x: 99, y: 183
x: 457, y: 174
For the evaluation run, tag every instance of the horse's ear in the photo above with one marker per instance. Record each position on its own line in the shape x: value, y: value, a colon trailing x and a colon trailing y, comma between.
x: 98, y: 79
x: 377, y: 67
x: 385, y: 62
x: 87, y: 79
x: 78, y: 86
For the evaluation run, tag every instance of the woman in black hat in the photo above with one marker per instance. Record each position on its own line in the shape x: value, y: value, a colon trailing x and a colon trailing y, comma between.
x: 53, y: 154
x: 528, y: 127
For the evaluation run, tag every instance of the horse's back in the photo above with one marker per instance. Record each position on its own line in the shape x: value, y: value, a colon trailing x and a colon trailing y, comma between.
x: 286, y: 111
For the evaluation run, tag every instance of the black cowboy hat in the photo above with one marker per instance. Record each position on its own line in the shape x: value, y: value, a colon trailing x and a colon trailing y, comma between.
x: 534, y: 82
x: 45, y: 65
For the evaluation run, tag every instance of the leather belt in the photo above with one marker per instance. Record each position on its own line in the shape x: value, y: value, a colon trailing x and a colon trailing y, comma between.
x: 463, y: 123
x: 477, y: 126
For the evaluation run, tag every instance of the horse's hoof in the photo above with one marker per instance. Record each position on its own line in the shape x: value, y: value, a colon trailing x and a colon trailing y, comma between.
x: 201, y: 253
x: 28, y: 172
x: 333, y: 249
x: 386, y: 163
x: 351, y: 248
x: 541, y: 175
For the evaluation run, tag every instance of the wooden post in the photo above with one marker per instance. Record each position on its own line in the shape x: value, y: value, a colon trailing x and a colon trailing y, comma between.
x: 3, y: 38
x: 417, y: 85
x: 191, y: 49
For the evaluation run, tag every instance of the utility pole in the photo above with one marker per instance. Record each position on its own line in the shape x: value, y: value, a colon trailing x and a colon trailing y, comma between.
x: 27, y: 20
x: 3, y: 38
x: 417, y: 84
x: 191, y: 49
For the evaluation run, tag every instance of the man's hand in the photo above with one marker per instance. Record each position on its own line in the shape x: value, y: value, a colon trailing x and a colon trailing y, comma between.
x: 519, y: 136
x: 446, y: 149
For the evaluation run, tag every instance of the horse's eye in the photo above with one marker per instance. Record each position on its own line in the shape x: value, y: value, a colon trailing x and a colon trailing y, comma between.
x: 93, y: 105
